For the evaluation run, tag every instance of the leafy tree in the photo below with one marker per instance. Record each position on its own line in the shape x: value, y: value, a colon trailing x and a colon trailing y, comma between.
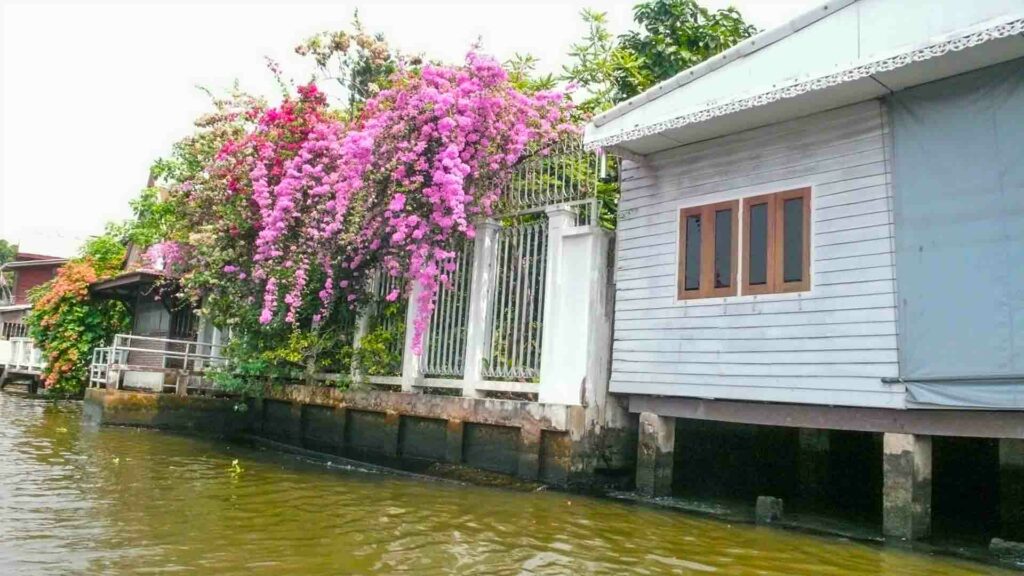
x: 673, y: 35
x: 107, y: 250
x: 522, y: 73
x: 359, y: 62
x: 7, y: 251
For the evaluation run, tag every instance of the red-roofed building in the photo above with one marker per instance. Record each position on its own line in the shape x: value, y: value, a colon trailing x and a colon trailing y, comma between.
x: 17, y: 278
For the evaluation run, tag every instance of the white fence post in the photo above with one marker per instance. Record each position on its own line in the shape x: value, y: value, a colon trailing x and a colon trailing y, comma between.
x: 480, y: 293
x: 412, y: 363
x: 576, y: 319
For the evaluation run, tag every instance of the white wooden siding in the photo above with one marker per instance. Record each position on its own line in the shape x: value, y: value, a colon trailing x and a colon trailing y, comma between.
x: 831, y: 345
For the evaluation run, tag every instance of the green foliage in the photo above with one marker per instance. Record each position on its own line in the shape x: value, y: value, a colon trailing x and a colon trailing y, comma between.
x: 595, y: 61
x: 106, y: 251
x: 522, y: 73
x: 673, y: 35
x: 380, y: 351
x: 156, y: 218
x: 359, y: 62
x: 7, y: 251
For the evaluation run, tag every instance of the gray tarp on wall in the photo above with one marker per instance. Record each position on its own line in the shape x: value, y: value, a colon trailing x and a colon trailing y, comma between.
x: 959, y: 189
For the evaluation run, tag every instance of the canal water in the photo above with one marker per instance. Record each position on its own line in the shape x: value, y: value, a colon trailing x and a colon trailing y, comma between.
x: 77, y: 499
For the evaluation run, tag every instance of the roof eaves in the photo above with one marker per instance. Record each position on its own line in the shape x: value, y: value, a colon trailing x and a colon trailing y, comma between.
x: 745, y: 48
x: 960, y: 40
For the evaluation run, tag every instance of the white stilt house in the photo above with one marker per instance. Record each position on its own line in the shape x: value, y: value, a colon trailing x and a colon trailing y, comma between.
x: 823, y: 227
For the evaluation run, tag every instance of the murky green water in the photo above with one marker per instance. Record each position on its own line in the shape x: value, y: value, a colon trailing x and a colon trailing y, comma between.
x: 82, y: 500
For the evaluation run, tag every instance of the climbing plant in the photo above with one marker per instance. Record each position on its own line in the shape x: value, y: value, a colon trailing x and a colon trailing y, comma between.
x: 67, y: 324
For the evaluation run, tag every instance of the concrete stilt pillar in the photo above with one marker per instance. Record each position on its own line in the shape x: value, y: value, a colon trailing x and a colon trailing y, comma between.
x: 393, y: 428
x: 812, y: 461
x: 654, y: 456
x: 906, y: 486
x: 529, y: 453
x: 1011, y: 489
x: 454, y: 435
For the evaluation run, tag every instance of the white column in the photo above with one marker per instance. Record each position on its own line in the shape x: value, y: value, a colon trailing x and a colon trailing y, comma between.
x: 412, y: 363
x: 576, y: 321
x: 481, y: 288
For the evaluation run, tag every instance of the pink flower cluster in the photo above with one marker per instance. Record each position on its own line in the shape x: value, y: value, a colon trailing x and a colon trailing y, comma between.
x: 165, y: 257
x: 398, y: 187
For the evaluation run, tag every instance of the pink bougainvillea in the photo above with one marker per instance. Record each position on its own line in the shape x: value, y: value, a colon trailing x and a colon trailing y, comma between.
x: 165, y: 257
x: 397, y: 187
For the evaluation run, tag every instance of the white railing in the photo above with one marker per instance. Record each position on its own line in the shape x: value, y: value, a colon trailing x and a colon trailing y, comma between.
x: 445, y: 349
x: 10, y: 330
x: 565, y: 173
x: 102, y: 359
x: 515, y: 314
x: 132, y: 353
x: 21, y: 355
x: 381, y: 285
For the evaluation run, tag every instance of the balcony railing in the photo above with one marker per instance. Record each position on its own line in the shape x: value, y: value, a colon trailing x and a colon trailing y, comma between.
x: 10, y: 330
x: 21, y: 355
x: 186, y: 361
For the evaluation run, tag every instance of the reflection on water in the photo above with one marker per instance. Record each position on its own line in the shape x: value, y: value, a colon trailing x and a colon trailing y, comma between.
x: 82, y: 500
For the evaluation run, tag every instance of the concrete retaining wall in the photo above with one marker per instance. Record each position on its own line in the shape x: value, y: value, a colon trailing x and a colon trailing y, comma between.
x: 535, y: 442
x: 205, y: 415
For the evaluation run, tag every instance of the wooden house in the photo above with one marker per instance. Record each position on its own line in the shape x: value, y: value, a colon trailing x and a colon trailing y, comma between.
x: 168, y: 345
x: 823, y: 228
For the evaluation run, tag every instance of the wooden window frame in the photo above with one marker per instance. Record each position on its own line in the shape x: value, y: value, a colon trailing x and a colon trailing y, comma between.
x: 775, y: 257
x: 707, y: 251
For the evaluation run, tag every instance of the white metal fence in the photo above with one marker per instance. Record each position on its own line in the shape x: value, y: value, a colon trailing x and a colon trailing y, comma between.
x: 445, y: 349
x: 488, y: 326
x: 516, y: 307
x: 565, y: 173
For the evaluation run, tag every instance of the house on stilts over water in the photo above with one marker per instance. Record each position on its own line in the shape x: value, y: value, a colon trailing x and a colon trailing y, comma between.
x: 820, y: 266
x: 19, y: 357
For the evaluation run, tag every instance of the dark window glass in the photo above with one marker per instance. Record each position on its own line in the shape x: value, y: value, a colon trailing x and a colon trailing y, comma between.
x: 793, y: 240
x: 723, y: 248
x: 692, y: 272
x: 758, y: 244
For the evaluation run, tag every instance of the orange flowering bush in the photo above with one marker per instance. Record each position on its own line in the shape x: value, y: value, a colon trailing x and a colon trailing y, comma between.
x: 66, y: 324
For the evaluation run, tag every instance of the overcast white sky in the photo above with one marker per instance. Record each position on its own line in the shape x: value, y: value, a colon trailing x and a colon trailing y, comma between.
x: 92, y: 93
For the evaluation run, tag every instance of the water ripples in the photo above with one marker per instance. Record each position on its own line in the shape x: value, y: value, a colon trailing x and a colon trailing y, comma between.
x: 81, y: 500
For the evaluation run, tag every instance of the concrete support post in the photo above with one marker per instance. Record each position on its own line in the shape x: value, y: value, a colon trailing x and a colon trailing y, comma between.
x: 257, y: 414
x: 412, y: 363
x: 529, y: 453
x: 907, y: 486
x: 393, y: 426
x: 1011, y: 489
x: 453, y: 441
x: 113, y: 379
x: 292, y: 433
x: 577, y: 316
x: 655, y: 453
x: 481, y: 288
x: 812, y: 461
